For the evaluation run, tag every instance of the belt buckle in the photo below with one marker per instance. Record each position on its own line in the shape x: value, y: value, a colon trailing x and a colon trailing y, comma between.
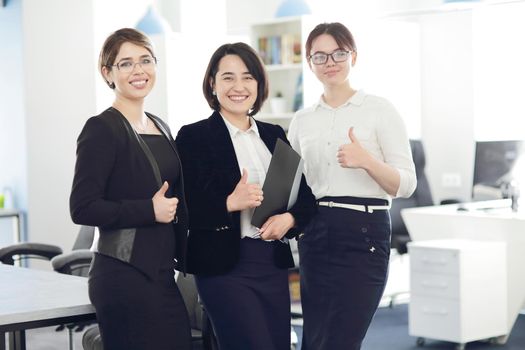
x: 330, y: 204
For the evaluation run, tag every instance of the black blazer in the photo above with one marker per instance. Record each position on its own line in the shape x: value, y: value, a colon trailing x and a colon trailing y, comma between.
x: 114, y: 182
x: 211, y: 174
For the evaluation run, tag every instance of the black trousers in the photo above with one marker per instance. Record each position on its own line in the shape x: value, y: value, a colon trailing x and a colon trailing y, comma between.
x: 249, y: 307
x: 134, y: 312
x: 344, y: 258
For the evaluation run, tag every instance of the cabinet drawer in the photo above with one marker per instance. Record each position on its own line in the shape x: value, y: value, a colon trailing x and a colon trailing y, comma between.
x: 435, y: 285
x: 434, y: 318
x: 444, y: 261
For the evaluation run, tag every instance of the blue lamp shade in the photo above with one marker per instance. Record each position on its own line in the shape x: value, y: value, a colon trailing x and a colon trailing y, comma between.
x: 153, y: 23
x: 293, y: 8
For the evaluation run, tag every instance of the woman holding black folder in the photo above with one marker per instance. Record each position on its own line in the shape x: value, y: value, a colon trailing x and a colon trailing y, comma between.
x: 240, y: 270
x: 357, y: 157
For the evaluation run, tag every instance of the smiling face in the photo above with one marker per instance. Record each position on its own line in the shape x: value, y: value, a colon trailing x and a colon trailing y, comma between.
x: 330, y: 73
x: 137, y: 82
x: 235, y: 87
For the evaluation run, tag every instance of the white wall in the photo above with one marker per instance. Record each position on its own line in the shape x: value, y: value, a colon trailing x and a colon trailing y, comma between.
x: 12, y: 123
x: 59, y: 94
x: 499, y: 72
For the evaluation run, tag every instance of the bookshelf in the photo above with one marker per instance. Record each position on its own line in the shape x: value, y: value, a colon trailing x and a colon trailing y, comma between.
x: 280, y: 43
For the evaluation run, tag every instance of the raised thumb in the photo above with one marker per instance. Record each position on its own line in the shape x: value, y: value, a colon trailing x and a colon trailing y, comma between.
x: 163, y: 189
x: 244, y: 177
x: 352, y: 136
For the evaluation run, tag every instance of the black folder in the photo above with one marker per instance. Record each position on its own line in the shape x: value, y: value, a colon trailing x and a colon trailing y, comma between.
x: 281, y: 185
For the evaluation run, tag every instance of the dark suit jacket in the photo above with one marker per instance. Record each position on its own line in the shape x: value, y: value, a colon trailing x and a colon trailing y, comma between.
x: 113, y: 187
x: 211, y: 174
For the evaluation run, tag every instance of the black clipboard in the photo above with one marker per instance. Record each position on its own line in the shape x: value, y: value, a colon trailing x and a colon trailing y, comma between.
x: 281, y: 185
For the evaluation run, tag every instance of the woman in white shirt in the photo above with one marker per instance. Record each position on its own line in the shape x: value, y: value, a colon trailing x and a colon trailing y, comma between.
x: 357, y: 157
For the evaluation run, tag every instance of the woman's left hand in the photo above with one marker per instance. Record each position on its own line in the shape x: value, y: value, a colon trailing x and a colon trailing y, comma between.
x: 277, y: 226
x: 352, y: 155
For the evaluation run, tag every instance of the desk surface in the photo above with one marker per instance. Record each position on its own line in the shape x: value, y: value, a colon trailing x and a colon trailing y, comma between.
x: 32, y: 298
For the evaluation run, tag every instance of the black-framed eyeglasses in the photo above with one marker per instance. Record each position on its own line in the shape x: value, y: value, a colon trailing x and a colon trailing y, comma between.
x: 337, y: 56
x: 127, y: 66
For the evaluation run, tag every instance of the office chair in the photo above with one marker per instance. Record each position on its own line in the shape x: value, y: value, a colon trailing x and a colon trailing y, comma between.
x: 202, y: 336
x: 420, y: 198
x: 20, y: 252
x: 400, y: 237
x: 201, y: 329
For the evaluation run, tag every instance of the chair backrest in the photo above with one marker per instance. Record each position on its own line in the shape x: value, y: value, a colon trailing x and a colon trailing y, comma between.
x: 76, y: 262
x: 420, y: 198
x: 188, y: 289
x: 85, y: 237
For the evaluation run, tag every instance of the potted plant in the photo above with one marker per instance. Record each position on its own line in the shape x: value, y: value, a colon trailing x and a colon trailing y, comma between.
x: 278, y: 103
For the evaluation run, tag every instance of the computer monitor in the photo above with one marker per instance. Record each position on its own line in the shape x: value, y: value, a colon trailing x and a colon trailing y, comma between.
x: 496, y: 164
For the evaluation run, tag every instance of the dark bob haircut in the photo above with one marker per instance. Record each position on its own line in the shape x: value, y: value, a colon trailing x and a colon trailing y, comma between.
x: 253, y: 63
x: 338, y: 31
x: 112, y: 45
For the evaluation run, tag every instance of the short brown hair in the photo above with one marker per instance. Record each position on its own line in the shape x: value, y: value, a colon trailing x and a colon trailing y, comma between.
x: 112, y: 45
x: 338, y: 31
x: 252, y: 61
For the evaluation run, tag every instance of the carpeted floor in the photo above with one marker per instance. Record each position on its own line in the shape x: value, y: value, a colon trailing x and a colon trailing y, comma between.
x: 389, y: 331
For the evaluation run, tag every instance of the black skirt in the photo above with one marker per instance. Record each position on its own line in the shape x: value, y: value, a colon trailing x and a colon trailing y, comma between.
x: 344, y: 258
x: 249, y: 306
x: 135, y: 312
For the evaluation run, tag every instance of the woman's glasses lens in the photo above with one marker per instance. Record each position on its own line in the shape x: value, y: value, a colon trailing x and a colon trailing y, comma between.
x: 337, y: 56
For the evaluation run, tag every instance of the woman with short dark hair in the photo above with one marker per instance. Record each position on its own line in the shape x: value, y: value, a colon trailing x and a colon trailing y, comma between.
x: 241, y: 270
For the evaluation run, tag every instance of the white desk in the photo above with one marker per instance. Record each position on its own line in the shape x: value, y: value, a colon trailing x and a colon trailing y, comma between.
x: 496, y: 224
x: 32, y: 298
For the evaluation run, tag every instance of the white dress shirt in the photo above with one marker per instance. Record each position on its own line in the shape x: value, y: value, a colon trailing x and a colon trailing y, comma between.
x: 317, y: 132
x: 252, y: 155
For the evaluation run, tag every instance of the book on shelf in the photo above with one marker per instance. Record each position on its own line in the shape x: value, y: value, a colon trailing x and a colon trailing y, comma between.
x: 280, y: 49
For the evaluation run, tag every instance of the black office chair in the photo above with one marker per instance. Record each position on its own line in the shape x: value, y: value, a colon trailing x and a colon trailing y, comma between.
x: 420, y: 198
x: 22, y: 252
x: 400, y: 237
x: 202, y: 336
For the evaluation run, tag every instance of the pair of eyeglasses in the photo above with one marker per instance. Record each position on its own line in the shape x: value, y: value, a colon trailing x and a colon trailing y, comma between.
x: 127, y: 66
x: 337, y: 56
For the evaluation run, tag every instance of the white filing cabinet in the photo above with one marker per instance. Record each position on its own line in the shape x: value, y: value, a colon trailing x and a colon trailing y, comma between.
x: 457, y: 290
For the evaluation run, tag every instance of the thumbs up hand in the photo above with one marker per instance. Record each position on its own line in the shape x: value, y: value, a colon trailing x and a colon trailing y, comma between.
x: 352, y: 155
x: 165, y: 208
x: 244, y: 195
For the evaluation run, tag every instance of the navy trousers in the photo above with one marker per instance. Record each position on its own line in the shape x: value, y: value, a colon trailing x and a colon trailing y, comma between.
x: 249, y: 307
x: 344, y: 258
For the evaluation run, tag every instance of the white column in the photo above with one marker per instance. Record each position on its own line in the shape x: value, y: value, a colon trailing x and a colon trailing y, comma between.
x: 59, y: 94
x: 447, y: 101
